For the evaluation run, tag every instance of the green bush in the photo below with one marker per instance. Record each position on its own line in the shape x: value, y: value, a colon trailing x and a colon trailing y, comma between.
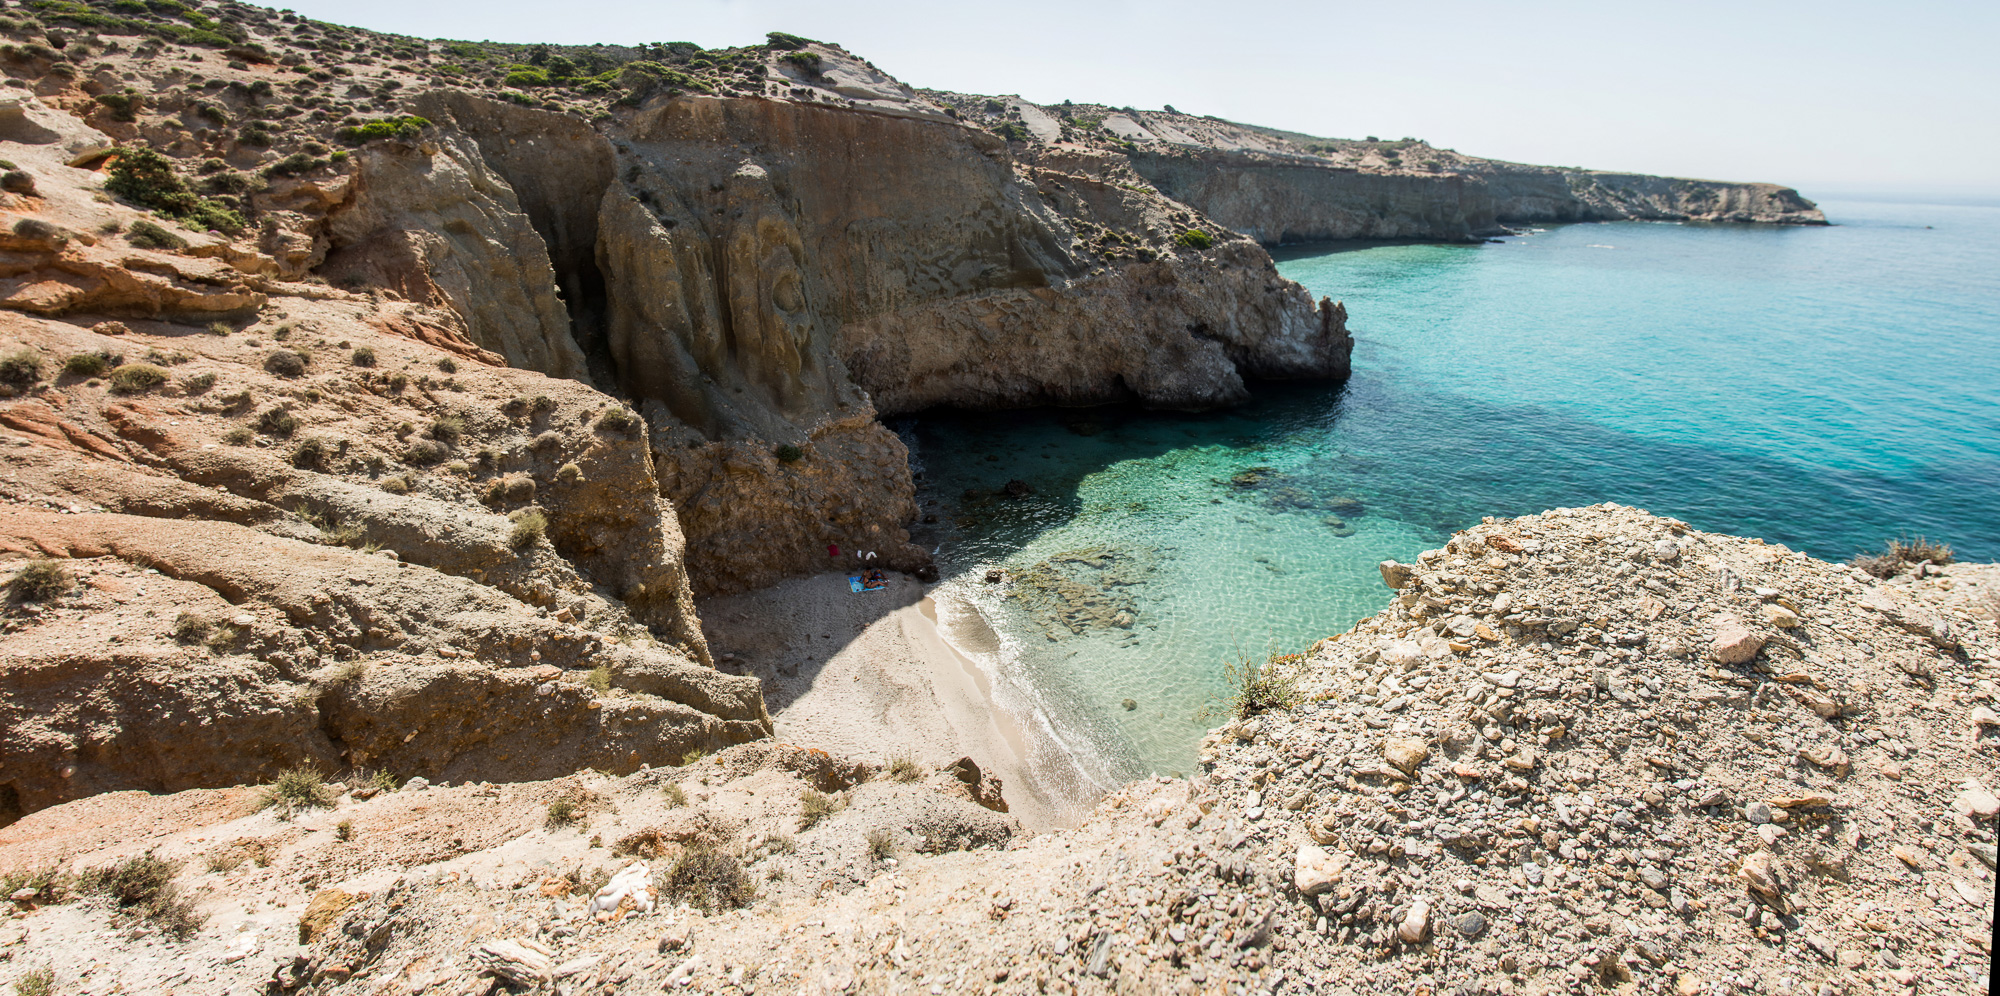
x: 21, y: 368
x: 781, y: 40
x: 364, y: 357
x: 618, y: 418
x: 147, y: 235
x: 134, y: 378
x: 807, y: 62
x: 1194, y: 238
x: 296, y: 164
x: 124, y: 106
x: 198, y: 383
x: 447, y: 429
x: 91, y: 364
x: 297, y: 789
x: 147, y: 178
x: 41, y: 580
x: 407, y: 126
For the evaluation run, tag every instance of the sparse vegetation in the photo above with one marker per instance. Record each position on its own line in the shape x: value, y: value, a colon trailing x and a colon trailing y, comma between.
x: 448, y: 365
x: 191, y: 627
x: 21, y: 368
x: 881, y: 843
x: 143, y: 887
x: 1256, y: 687
x: 312, y: 454
x: 296, y: 790
x: 41, y: 580
x: 46, y: 885
x: 364, y: 357
x: 530, y: 525
x: 676, y: 796
x: 239, y: 436
x: 904, y: 768
x: 278, y: 422
x: 570, y: 806
x: 599, y: 679
x: 425, y: 453
x: 405, y: 127
x: 1899, y: 554
x: 692, y: 756
x: 398, y: 484
x: 789, y: 453
x: 91, y: 364
x: 815, y: 806
x: 1194, y: 238
x: 447, y: 429
x: 708, y: 880
x: 343, y: 831
x: 569, y: 473
x: 36, y: 982
x: 197, y: 383
x: 618, y: 418
x: 134, y: 378
x: 287, y: 362
x: 147, y: 178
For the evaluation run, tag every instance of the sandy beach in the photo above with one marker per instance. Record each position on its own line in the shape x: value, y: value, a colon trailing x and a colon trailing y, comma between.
x: 871, y: 676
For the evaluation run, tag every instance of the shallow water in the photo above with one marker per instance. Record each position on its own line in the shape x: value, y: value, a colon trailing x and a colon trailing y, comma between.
x: 1824, y: 388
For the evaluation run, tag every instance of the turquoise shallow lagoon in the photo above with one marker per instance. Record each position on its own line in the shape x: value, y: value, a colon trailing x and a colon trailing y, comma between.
x: 1818, y: 387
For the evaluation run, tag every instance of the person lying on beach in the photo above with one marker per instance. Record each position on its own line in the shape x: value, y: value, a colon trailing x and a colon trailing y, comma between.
x: 872, y: 578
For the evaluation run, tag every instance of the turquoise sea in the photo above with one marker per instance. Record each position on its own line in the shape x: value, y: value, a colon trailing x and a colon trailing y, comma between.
x: 1824, y: 388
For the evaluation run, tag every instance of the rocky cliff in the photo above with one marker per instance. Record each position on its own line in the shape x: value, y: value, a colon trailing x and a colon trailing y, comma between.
x: 1283, y: 187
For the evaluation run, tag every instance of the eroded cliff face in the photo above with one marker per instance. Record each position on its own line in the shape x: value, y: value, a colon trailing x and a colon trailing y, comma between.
x: 1279, y: 199
x: 766, y: 277
x: 432, y: 222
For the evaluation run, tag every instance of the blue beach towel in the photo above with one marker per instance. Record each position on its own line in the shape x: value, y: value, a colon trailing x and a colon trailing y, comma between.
x: 854, y: 585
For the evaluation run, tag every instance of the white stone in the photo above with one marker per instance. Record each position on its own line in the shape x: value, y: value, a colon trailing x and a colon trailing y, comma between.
x: 1317, y: 870
x: 1417, y: 924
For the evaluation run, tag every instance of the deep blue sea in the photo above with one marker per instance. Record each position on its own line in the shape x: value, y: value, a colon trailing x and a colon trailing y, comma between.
x: 1824, y: 388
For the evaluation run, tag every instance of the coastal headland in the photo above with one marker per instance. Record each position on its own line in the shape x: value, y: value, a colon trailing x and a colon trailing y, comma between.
x: 426, y: 466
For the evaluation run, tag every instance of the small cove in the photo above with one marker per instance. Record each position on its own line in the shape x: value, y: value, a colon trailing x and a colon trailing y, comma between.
x: 1819, y: 387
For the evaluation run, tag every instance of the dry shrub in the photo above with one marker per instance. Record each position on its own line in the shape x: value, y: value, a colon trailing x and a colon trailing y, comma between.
x: 708, y: 880
x: 41, y: 580
x: 143, y: 888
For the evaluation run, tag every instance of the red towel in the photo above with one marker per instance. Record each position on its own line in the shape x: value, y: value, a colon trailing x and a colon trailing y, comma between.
x: 832, y: 550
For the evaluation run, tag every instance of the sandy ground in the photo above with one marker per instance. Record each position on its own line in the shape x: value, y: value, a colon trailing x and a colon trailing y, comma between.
x: 870, y: 676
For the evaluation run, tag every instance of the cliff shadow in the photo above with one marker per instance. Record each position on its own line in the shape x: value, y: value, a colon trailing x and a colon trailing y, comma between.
x: 785, y: 635
x: 989, y: 483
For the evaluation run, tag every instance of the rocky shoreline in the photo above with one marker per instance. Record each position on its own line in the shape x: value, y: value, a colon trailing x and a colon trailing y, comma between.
x: 1592, y: 749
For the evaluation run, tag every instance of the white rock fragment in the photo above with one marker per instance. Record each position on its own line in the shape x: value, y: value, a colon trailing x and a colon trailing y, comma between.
x: 1975, y: 800
x: 522, y: 961
x: 1317, y: 870
x: 633, y: 881
x: 1417, y: 924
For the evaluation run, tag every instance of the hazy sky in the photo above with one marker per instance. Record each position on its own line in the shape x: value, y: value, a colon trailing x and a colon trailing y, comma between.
x: 1823, y: 96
